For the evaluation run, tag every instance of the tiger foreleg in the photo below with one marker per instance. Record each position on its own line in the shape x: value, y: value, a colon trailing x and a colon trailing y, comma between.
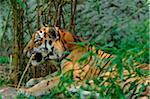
x: 35, y: 81
x: 42, y: 88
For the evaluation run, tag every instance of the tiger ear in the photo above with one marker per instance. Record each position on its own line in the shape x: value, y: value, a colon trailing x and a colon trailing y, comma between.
x: 44, y: 24
x: 54, y: 33
x: 56, y: 28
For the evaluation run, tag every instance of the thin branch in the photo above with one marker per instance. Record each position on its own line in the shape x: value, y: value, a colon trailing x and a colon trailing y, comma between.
x: 56, y: 11
x: 49, y: 12
x: 59, y: 14
x: 43, y: 13
x: 28, y: 64
x: 71, y: 15
x: 63, y: 20
x: 38, y: 20
x: 4, y: 28
x: 75, y: 12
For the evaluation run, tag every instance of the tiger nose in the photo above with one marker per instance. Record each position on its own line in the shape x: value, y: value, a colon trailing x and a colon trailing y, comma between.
x: 38, y: 57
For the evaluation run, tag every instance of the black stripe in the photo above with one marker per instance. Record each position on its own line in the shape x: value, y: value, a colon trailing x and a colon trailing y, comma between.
x: 132, y: 93
x: 106, y: 56
x: 46, y: 45
x: 45, y: 34
x: 107, y: 61
x: 63, y: 45
x: 87, y: 73
x: 78, y: 77
x: 97, y: 51
x: 99, y: 71
x: 104, y: 65
x: 102, y: 53
x: 48, y: 82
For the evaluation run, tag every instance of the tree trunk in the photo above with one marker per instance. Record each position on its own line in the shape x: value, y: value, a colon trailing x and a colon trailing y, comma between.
x: 18, y: 40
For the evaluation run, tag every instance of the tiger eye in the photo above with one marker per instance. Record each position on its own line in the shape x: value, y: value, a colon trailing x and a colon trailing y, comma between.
x: 29, y: 47
x: 53, y: 33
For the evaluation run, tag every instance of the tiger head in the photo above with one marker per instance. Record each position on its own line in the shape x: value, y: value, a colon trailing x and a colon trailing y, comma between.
x: 49, y: 43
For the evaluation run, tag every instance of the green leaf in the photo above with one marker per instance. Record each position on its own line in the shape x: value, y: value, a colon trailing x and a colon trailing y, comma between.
x: 4, y: 59
x: 120, y: 67
x: 80, y: 43
x: 0, y: 96
x: 22, y: 4
x: 141, y: 72
x: 119, y: 92
x: 133, y: 85
x: 85, y: 57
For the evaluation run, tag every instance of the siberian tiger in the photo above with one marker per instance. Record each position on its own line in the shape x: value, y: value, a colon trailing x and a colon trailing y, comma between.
x: 81, y: 66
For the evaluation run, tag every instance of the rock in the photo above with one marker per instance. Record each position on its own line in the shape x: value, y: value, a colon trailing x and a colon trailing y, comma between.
x: 8, y: 93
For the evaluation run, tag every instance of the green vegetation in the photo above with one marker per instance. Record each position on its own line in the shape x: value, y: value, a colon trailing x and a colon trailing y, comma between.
x: 4, y: 81
x: 4, y: 60
x: 0, y: 96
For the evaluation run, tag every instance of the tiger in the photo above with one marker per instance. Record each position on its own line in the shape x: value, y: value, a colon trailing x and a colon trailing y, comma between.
x: 82, y: 65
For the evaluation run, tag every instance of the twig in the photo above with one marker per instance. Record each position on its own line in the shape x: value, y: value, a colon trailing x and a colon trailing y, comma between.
x: 5, y: 27
x: 59, y: 13
x: 38, y: 17
x: 28, y: 64
x: 10, y: 64
x: 63, y: 19
x: 56, y: 11
x: 49, y: 12
x: 75, y: 13
x: 43, y: 14
x: 71, y: 16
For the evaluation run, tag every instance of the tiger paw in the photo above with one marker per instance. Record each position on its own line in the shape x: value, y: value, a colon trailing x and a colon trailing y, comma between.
x: 32, y: 82
x: 29, y: 92
x: 24, y: 92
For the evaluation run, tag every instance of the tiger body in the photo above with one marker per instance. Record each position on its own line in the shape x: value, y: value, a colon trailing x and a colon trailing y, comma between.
x: 84, y: 63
